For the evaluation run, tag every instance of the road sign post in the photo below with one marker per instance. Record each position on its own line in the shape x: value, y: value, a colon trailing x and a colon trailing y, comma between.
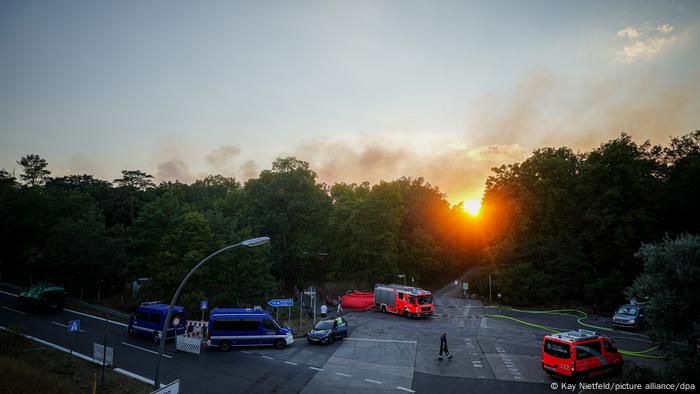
x: 73, y: 327
x: 203, y: 305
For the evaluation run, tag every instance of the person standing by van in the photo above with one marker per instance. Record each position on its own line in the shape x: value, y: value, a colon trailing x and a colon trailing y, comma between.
x: 340, y: 307
x: 443, y: 346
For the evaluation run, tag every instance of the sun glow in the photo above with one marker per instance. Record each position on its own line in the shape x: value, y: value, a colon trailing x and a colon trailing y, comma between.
x: 472, y: 206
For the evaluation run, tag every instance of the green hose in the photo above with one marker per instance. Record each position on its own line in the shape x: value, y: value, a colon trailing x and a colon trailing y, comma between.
x: 583, y: 315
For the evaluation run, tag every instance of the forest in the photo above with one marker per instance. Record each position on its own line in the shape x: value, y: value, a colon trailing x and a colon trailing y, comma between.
x: 560, y: 227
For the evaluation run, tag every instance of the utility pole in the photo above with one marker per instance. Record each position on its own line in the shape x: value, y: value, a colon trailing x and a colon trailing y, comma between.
x: 490, y: 298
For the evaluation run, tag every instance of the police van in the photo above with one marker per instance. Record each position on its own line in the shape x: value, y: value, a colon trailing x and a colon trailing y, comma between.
x: 246, y: 327
x: 149, y: 318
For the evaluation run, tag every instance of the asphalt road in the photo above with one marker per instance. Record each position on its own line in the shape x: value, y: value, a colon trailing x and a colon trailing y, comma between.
x: 384, y: 353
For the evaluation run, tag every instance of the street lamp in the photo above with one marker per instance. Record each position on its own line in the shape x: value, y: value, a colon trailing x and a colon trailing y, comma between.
x: 249, y: 243
x: 404, y: 278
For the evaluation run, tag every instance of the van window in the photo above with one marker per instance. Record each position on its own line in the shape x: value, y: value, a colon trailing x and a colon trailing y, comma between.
x: 236, y: 325
x: 142, y: 316
x: 586, y: 350
x: 557, y: 349
x: 155, y: 318
x: 268, y: 324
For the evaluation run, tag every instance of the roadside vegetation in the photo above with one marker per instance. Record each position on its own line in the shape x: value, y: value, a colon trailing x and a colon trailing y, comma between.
x: 28, y: 367
x: 561, y: 227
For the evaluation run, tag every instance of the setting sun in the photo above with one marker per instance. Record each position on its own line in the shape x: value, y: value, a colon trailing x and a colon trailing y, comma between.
x: 472, y: 206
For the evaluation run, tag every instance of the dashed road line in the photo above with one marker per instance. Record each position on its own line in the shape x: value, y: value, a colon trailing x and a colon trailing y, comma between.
x: 10, y: 294
x: 378, y: 340
x: 290, y: 363
x: 268, y: 357
x: 14, y: 310
x: 145, y: 350
x: 245, y: 352
x: 343, y: 374
x: 317, y: 369
x: 373, y: 381
x: 405, y: 389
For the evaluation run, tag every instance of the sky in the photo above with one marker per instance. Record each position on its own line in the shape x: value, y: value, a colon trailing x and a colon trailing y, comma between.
x: 362, y: 90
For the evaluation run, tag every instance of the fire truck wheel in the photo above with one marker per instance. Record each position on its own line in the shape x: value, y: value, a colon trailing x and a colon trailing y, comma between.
x: 383, y: 309
x: 224, y: 346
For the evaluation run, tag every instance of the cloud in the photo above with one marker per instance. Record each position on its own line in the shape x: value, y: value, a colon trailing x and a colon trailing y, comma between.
x: 643, y: 42
x: 174, y: 170
x: 248, y: 170
x: 497, y: 153
x: 220, y: 158
x: 550, y: 109
x: 458, y: 171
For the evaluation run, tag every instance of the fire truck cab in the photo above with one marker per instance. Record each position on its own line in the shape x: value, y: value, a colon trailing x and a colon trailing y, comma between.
x: 403, y: 300
x: 578, y: 355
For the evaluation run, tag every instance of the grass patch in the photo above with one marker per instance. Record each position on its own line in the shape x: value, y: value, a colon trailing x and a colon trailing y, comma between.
x: 29, y: 367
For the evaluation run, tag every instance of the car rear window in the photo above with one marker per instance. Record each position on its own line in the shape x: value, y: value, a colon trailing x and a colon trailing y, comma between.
x: 557, y: 349
x: 586, y: 350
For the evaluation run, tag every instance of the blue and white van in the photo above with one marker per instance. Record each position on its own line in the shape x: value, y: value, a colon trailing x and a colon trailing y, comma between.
x: 246, y: 327
x: 149, y: 318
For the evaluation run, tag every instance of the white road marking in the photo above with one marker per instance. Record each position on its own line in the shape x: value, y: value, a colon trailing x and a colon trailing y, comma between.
x: 483, y: 323
x: 14, y: 310
x: 95, y: 317
x: 316, y: 369
x: 377, y: 340
x: 405, y: 389
x: 63, y: 325
x: 290, y: 363
x: 145, y: 350
x: 343, y: 374
x: 10, y: 294
x: 268, y: 357
x: 245, y: 352
x: 373, y: 381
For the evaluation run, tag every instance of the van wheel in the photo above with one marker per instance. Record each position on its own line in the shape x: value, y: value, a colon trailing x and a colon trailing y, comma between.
x: 156, y: 338
x: 130, y: 331
x: 224, y: 346
x: 279, y: 344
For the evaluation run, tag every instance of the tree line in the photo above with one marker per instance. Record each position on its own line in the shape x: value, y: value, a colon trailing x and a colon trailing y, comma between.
x: 89, y: 234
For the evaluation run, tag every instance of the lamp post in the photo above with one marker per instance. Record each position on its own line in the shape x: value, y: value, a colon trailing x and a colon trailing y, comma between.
x: 249, y: 243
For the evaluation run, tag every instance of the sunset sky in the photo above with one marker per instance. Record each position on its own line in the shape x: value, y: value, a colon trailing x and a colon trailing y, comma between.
x: 363, y: 90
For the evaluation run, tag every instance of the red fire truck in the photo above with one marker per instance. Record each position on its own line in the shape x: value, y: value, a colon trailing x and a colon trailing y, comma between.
x: 403, y: 300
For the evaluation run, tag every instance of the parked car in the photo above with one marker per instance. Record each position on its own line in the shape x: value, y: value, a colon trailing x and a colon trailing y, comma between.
x: 326, y: 331
x: 630, y: 316
x: 579, y: 355
x: 230, y: 327
x: 149, y: 319
x: 42, y: 296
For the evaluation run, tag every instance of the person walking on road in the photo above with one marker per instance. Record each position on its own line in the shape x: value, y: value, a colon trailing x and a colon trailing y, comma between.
x: 340, y: 307
x: 443, y: 346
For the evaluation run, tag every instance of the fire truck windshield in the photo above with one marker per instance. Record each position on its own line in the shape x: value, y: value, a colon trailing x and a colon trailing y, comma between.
x: 425, y: 300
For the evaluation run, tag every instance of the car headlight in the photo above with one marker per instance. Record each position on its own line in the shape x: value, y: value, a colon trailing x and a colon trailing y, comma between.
x: 632, y: 321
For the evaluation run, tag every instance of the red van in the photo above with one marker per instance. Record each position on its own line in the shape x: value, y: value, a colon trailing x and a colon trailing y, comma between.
x: 581, y: 354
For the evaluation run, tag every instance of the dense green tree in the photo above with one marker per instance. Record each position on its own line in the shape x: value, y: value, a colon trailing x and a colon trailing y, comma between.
x: 134, y: 183
x: 34, y: 172
x: 288, y: 205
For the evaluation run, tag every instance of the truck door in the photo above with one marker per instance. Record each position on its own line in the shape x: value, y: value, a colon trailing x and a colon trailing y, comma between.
x: 589, y: 358
x: 269, y: 331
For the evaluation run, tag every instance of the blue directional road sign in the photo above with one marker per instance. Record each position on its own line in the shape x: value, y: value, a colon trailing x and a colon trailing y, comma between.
x: 74, y: 325
x: 281, y: 302
x: 203, y: 305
